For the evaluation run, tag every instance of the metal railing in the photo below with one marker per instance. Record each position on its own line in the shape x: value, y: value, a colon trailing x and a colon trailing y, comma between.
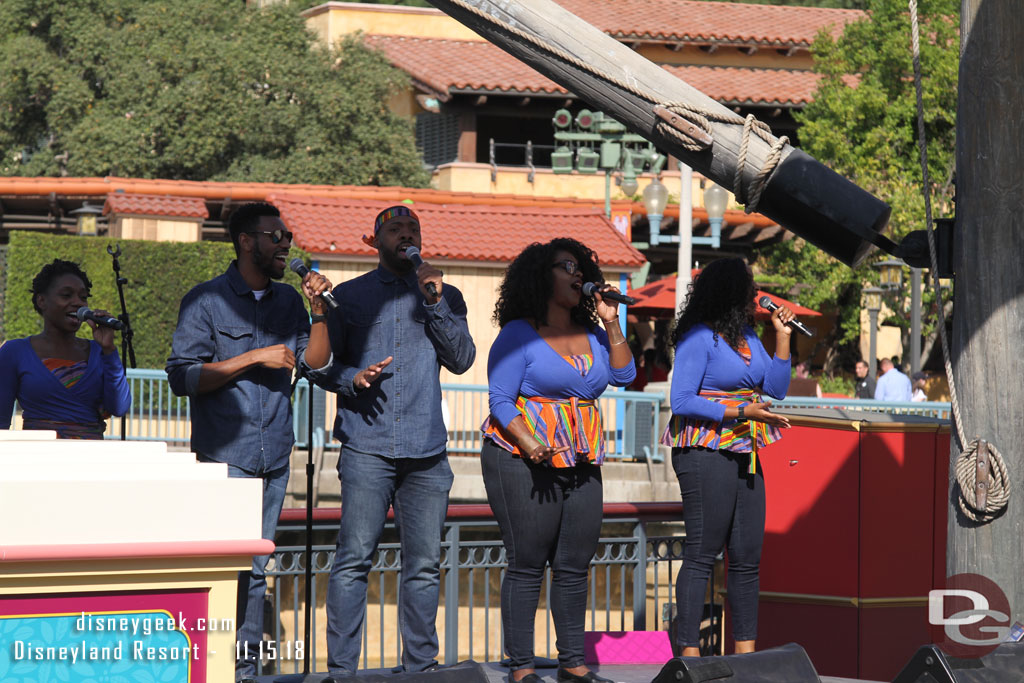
x: 631, y: 583
x: 934, y: 409
x: 631, y: 418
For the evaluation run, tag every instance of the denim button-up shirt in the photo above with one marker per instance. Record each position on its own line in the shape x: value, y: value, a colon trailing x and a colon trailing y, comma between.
x: 380, y: 315
x: 247, y: 422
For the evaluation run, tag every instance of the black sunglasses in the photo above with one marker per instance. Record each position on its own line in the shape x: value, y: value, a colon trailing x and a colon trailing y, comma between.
x: 275, y: 235
x: 568, y: 266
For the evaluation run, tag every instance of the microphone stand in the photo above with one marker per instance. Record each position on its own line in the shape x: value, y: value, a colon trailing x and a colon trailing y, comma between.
x: 127, y: 348
x: 305, y: 676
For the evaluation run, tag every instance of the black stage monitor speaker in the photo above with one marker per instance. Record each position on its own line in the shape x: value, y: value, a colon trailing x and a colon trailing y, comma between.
x: 463, y: 672
x: 1005, y: 664
x: 786, y: 664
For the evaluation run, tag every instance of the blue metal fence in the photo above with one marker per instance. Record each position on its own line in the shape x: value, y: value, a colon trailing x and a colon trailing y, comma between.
x: 631, y: 417
x: 633, y: 420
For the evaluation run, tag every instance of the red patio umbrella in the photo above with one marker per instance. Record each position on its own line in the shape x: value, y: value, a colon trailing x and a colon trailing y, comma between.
x: 658, y: 300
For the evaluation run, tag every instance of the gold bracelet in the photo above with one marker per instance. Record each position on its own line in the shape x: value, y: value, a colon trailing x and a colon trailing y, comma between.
x: 618, y: 342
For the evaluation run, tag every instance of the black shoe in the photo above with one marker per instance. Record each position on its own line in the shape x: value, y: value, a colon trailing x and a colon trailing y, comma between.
x: 528, y: 678
x: 589, y: 677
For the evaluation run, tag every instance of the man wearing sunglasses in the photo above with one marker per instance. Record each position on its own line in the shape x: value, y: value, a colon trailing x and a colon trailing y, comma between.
x: 394, y: 330
x: 239, y: 336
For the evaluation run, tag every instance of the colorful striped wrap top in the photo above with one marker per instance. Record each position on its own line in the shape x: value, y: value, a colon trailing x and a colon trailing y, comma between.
x: 741, y: 436
x: 573, y: 422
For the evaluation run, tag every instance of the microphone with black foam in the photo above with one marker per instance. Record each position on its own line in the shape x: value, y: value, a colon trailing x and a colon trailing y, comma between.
x: 413, y: 254
x: 591, y: 288
x: 769, y: 305
x: 300, y: 269
x: 85, y: 313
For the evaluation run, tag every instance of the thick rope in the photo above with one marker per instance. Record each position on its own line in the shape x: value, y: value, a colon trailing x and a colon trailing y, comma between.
x: 749, y: 195
x: 999, y: 485
x: 997, y: 488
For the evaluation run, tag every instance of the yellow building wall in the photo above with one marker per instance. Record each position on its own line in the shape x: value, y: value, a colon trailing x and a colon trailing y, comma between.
x: 467, y: 177
x: 155, y: 229
x: 333, y: 20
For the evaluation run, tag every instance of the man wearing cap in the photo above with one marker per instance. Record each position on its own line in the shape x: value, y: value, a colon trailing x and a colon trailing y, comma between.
x: 392, y: 334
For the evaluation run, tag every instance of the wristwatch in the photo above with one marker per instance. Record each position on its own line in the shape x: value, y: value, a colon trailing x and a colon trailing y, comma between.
x: 739, y: 414
x: 318, y: 318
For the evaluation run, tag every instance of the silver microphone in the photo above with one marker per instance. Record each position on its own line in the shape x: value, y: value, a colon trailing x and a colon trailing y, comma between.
x: 85, y: 313
x: 769, y: 305
x: 413, y: 254
x: 300, y: 269
x: 590, y: 288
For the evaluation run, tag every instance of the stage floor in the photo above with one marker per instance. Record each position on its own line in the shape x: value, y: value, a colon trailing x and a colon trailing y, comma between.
x: 621, y: 673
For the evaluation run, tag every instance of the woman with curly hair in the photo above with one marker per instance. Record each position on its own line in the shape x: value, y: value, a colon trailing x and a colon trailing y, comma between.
x: 62, y: 382
x: 544, y: 442
x: 718, y: 425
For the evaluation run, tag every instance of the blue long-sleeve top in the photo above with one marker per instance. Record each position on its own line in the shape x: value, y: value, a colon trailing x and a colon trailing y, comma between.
x: 23, y: 377
x: 705, y: 361
x: 521, y: 363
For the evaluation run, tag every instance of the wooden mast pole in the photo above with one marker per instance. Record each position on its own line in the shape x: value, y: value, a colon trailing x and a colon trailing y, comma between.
x: 801, y: 194
x: 988, y: 326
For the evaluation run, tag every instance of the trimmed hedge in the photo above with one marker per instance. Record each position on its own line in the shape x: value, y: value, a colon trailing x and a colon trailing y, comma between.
x: 159, y: 274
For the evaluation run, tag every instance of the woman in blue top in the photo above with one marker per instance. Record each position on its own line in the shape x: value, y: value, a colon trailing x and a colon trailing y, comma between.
x: 719, y: 422
x: 544, y: 442
x: 62, y: 382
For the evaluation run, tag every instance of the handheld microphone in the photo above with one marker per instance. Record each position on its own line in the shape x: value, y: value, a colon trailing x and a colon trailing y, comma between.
x: 85, y: 313
x: 590, y: 288
x: 413, y: 254
x: 300, y: 269
x: 769, y: 305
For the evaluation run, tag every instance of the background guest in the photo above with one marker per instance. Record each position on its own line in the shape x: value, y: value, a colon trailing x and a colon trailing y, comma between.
x: 892, y: 385
x: 865, y: 385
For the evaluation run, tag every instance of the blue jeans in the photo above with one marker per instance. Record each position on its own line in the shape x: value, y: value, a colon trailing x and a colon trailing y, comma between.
x: 252, y: 585
x: 546, y: 515
x: 723, y: 505
x: 418, y: 489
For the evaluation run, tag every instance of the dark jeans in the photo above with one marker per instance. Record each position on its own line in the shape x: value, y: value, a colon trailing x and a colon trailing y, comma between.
x: 252, y: 585
x: 546, y: 515
x: 723, y: 505
x: 417, y: 489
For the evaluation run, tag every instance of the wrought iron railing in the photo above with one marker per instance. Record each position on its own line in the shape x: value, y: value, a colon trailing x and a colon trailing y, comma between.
x: 631, y: 583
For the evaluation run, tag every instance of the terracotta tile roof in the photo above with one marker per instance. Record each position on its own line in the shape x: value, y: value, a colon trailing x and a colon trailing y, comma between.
x: 448, y: 66
x: 155, y: 205
x: 689, y: 20
x: 460, y: 232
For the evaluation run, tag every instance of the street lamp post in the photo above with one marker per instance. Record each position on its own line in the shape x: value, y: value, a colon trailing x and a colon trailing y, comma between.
x: 85, y: 219
x: 716, y: 199
x: 873, y: 304
x: 591, y: 141
x: 891, y: 279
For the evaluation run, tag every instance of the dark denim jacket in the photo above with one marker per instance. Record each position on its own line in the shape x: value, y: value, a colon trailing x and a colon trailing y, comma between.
x: 381, y: 315
x: 248, y: 421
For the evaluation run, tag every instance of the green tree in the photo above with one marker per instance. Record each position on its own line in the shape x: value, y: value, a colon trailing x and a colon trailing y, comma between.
x: 863, y: 123
x: 195, y: 90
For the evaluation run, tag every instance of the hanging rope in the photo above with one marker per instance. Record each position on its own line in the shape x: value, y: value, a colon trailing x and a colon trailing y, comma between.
x: 998, y: 485
x: 750, y: 194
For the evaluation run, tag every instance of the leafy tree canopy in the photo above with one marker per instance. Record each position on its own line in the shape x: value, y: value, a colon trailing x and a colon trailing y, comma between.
x: 863, y: 123
x: 194, y: 90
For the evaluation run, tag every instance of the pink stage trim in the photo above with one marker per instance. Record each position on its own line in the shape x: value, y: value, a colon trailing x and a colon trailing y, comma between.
x: 117, y: 551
